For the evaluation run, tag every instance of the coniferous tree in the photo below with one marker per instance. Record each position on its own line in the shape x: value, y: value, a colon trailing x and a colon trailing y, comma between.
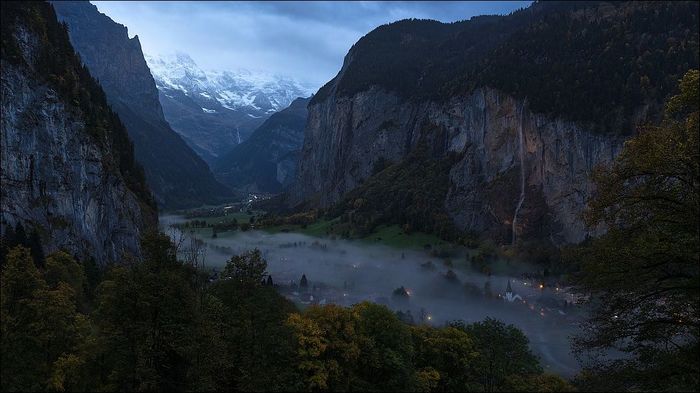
x: 36, y: 249
x: 20, y: 235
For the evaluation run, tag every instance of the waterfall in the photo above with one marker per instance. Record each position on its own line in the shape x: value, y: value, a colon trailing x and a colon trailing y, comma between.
x: 522, y: 172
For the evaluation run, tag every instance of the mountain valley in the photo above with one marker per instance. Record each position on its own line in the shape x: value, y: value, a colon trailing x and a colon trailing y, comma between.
x: 483, y: 196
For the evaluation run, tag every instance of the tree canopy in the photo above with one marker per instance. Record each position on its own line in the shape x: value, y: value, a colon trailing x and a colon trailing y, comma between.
x: 154, y: 324
x: 643, y: 274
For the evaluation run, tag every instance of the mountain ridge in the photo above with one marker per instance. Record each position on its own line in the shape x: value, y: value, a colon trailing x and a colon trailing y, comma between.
x: 520, y: 171
x: 429, y: 60
x: 177, y: 176
x: 267, y: 161
x: 216, y: 110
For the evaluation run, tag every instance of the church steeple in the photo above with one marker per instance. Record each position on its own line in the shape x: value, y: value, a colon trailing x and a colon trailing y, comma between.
x: 510, y: 296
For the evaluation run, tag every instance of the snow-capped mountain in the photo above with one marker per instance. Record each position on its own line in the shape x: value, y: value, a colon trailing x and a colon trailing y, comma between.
x: 215, y: 110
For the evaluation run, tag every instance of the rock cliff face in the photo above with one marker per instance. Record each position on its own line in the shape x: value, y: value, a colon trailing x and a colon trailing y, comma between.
x: 113, y: 58
x: 520, y: 118
x: 520, y: 170
x: 177, y: 176
x: 58, y: 175
x: 267, y: 161
x: 346, y: 137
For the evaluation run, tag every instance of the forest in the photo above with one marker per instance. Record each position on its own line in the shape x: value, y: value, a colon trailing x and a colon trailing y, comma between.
x: 159, y: 323
x: 590, y: 75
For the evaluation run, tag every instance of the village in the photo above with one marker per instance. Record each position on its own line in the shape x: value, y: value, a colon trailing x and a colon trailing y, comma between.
x: 553, y: 302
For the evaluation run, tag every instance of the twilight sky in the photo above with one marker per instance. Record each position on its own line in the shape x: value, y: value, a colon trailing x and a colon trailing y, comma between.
x: 304, y: 40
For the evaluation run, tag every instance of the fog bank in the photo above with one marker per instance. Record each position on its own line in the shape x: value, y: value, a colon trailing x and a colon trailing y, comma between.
x: 347, y: 272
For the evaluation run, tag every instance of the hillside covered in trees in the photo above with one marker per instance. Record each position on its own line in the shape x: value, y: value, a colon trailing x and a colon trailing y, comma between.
x: 607, y: 64
x: 643, y: 274
x: 267, y: 160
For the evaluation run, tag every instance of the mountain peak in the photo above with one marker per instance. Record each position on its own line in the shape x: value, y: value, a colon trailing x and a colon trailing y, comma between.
x: 233, y: 89
x: 216, y: 109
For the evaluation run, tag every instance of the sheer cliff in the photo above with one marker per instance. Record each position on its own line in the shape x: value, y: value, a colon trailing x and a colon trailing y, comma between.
x: 68, y: 167
x: 175, y: 173
x: 472, y: 98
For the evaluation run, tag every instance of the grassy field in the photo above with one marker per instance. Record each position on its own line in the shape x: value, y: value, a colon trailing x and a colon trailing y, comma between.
x: 440, y: 251
x: 241, y: 217
x: 319, y: 228
x: 388, y: 235
x: 393, y: 236
x: 453, y: 255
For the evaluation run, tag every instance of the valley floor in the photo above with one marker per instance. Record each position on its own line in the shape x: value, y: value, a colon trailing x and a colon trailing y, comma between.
x: 439, y: 281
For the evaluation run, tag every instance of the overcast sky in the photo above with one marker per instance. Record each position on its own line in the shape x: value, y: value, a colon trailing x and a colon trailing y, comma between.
x: 304, y: 40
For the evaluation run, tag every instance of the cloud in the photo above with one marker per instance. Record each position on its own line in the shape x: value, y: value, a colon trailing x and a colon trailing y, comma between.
x: 304, y: 40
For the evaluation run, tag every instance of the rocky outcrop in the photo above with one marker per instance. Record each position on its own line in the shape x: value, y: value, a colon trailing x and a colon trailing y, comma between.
x: 177, y: 176
x: 346, y: 137
x: 519, y: 170
x: 58, y: 176
x: 267, y: 161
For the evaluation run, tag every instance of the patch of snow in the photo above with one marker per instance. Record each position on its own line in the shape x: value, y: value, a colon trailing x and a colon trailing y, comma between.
x: 252, y: 91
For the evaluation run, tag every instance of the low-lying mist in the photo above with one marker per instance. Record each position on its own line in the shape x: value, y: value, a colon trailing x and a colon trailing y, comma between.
x: 347, y: 272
